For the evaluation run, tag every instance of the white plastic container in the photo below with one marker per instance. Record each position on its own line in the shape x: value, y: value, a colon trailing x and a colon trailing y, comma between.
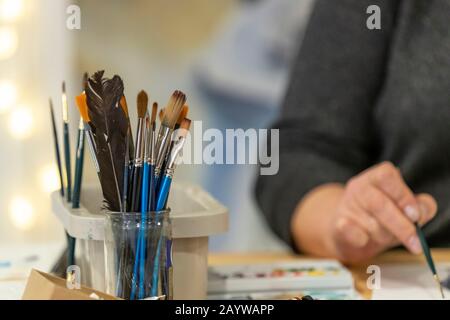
x: 195, y: 217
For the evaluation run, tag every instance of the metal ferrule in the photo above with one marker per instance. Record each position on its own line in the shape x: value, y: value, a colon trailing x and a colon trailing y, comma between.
x: 138, y: 157
x: 176, y: 151
x: 65, y: 109
x: 157, y: 171
x: 81, y: 125
x: 170, y: 172
x: 153, y: 145
x: 80, y: 141
x: 162, y: 144
x: 149, y: 146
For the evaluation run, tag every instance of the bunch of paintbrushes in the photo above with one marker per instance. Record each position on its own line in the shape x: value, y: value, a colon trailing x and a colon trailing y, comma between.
x: 71, y: 193
x: 135, y: 175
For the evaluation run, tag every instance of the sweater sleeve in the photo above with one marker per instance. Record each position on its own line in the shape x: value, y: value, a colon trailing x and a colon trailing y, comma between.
x: 326, y: 128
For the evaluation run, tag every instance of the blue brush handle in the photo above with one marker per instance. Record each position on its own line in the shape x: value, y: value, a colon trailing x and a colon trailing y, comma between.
x: 142, y: 235
x: 160, y: 205
x: 140, y: 250
x: 163, y: 192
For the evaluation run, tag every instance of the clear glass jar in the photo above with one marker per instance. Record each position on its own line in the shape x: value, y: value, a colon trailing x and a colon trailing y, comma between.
x: 138, y: 254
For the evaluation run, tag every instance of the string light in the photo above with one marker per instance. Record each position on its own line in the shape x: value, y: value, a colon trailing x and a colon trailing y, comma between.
x: 10, y: 10
x: 8, y: 42
x: 21, y: 123
x: 21, y: 213
x: 49, y: 179
x: 8, y: 94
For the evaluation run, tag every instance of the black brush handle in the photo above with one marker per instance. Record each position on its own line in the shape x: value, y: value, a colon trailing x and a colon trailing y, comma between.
x: 67, y: 158
x: 79, y: 161
x: 126, y: 181
x: 57, y: 154
x: 135, y: 193
x: 151, y: 189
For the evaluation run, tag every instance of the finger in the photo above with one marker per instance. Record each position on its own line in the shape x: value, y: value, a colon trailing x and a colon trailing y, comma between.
x: 390, y: 217
x: 350, y: 233
x: 388, y: 178
x: 371, y: 226
x: 428, y: 207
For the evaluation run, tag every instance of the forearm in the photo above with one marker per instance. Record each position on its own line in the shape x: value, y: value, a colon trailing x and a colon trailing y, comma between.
x: 312, y: 219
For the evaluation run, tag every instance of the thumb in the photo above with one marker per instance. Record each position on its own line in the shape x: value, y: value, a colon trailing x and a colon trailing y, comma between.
x: 428, y: 207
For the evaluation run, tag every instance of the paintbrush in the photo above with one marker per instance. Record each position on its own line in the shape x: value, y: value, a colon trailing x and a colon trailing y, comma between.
x: 65, y: 113
x: 79, y: 159
x: 183, y: 114
x: 147, y: 192
x: 139, y: 261
x: 151, y: 159
x: 164, y: 190
x: 61, y: 265
x: 429, y: 258
x: 56, y: 143
x: 138, y: 270
x: 83, y: 108
x: 142, y: 104
x: 78, y: 166
x: 129, y: 156
x: 166, y: 180
x: 171, y: 114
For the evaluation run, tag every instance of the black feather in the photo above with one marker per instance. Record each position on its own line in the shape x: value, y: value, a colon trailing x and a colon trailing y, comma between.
x: 110, y: 127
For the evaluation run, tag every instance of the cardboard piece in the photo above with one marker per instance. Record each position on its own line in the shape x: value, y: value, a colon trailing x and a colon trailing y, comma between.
x: 43, y: 286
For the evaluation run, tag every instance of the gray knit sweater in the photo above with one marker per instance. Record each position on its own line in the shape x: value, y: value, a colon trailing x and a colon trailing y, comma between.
x: 358, y: 97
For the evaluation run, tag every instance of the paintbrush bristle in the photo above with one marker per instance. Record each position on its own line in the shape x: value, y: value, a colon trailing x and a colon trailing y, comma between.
x: 64, y: 87
x: 185, y: 125
x: 172, y: 112
x: 183, y: 114
x: 154, y: 112
x: 161, y: 115
x: 83, y: 107
x: 124, y: 105
x: 142, y: 104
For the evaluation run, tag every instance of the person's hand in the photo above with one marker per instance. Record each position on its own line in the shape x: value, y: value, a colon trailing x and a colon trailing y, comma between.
x: 377, y: 211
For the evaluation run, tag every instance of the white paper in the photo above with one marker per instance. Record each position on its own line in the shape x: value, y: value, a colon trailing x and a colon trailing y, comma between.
x: 410, y: 282
x: 17, y: 260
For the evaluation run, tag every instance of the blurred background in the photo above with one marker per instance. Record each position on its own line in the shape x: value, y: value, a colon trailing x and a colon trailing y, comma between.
x: 231, y: 57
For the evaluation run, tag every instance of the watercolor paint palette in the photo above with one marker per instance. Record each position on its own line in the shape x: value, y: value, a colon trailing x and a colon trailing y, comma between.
x: 305, y: 275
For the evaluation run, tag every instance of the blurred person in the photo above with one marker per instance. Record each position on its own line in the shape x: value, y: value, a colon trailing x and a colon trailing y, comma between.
x: 365, y: 133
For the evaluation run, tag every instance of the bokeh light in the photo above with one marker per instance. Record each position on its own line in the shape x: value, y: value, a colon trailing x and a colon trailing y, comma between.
x: 21, y: 123
x: 8, y: 94
x: 49, y: 179
x: 21, y: 213
x: 10, y: 10
x: 8, y: 42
